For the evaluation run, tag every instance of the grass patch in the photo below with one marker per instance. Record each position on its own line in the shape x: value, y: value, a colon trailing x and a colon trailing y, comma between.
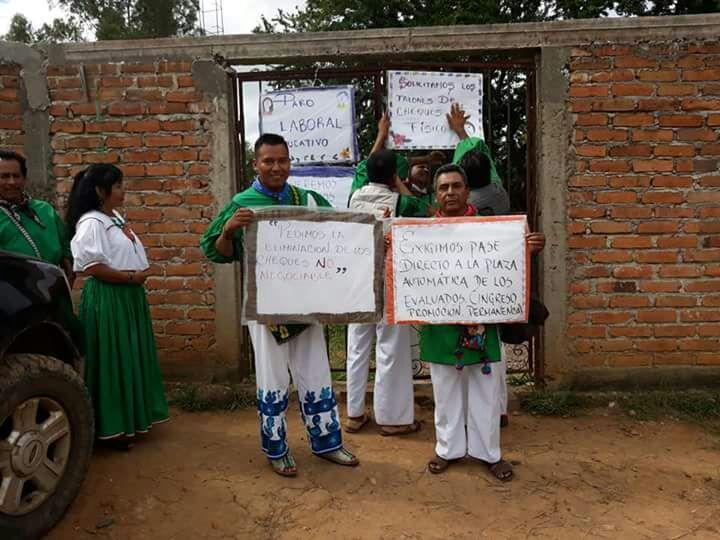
x: 520, y: 379
x: 338, y: 375
x: 336, y: 345
x: 699, y: 406
x: 197, y: 398
x: 553, y: 403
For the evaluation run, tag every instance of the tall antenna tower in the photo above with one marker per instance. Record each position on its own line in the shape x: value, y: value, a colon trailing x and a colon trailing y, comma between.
x: 211, y: 17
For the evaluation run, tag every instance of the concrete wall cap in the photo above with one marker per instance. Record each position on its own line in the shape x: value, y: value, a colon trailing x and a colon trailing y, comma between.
x: 269, y: 48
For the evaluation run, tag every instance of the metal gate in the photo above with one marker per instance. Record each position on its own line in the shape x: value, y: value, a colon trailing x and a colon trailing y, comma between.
x: 509, y: 118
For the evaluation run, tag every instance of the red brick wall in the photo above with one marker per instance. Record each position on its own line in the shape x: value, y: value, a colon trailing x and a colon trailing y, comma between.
x: 644, y: 205
x: 149, y: 120
x: 643, y: 196
x: 11, y: 128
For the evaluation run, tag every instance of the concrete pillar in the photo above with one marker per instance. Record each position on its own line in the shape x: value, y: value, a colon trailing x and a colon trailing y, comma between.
x: 216, y: 82
x: 34, y: 104
x: 553, y: 136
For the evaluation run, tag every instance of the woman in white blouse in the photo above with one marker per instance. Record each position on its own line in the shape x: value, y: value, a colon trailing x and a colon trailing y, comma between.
x: 121, y: 368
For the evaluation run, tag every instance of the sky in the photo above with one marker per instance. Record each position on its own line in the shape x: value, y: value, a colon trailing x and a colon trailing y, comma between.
x: 240, y: 16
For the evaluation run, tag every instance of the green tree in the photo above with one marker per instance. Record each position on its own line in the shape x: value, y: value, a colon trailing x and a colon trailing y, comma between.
x: 506, y: 90
x: 249, y: 175
x: 505, y: 99
x: 329, y: 15
x: 128, y: 19
x: 59, y: 31
x: 20, y: 30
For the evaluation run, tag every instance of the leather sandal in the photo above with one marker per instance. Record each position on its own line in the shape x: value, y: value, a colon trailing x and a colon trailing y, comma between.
x: 284, y: 466
x: 502, y: 470
x: 389, y: 431
x: 353, y: 425
x: 437, y: 465
x: 341, y: 456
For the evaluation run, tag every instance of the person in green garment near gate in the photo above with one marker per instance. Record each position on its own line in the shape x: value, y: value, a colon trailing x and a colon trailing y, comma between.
x: 411, y: 169
x: 121, y: 364
x: 29, y: 226
x: 464, y: 361
x: 487, y: 193
x: 415, y: 174
x: 281, y: 350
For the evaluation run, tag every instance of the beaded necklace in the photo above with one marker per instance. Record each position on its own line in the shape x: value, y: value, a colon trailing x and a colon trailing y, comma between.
x: 121, y: 224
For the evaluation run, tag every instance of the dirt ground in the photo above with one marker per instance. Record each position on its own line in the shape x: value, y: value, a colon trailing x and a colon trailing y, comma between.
x: 598, y: 476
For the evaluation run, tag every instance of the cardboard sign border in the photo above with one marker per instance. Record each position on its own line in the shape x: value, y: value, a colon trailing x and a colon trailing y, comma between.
x: 304, y: 214
x: 429, y: 222
x: 355, y: 151
x: 455, y: 74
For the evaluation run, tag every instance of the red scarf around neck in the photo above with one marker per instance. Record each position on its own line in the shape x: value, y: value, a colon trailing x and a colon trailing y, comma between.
x: 470, y: 210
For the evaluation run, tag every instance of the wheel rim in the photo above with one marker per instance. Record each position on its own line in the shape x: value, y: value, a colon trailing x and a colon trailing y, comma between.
x: 35, y: 446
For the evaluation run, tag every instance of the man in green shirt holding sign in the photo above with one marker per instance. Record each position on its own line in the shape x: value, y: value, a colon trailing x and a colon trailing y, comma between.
x: 297, y: 348
x: 466, y: 384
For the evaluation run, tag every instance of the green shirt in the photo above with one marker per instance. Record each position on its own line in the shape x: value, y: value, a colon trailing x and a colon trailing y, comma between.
x: 361, y: 174
x: 411, y: 206
x: 249, y: 198
x: 438, y: 343
x: 51, y: 240
x: 403, y: 166
x: 408, y: 206
x: 428, y: 199
x: 475, y: 143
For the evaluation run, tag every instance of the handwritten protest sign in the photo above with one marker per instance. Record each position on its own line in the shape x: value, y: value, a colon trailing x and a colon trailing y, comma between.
x: 317, y: 123
x: 467, y: 270
x: 333, y: 183
x: 313, y: 266
x: 418, y: 102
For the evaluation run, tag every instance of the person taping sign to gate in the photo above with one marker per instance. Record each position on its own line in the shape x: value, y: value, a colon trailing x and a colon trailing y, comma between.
x: 486, y: 191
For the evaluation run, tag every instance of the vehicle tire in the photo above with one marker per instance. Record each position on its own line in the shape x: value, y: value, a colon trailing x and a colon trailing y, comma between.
x: 46, y: 438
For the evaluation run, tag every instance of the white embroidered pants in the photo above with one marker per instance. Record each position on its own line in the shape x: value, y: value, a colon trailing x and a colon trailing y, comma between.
x: 393, y: 403
x: 467, y: 411
x: 305, y: 357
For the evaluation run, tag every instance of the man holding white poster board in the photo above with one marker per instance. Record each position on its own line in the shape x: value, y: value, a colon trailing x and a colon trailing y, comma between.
x: 299, y: 348
x: 458, y: 286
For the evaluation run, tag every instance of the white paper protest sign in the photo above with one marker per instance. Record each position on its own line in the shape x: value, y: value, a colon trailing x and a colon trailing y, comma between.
x: 333, y: 183
x: 467, y: 270
x: 313, y: 266
x: 317, y: 123
x: 418, y: 102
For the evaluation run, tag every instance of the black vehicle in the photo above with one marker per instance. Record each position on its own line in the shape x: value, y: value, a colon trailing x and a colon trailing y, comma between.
x: 46, y: 419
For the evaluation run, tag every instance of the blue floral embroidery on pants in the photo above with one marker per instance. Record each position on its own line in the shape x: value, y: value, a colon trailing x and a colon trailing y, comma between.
x: 273, y: 431
x: 329, y: 438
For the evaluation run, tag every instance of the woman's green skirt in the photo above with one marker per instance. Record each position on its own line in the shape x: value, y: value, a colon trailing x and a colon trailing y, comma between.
x: 121, y: 364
